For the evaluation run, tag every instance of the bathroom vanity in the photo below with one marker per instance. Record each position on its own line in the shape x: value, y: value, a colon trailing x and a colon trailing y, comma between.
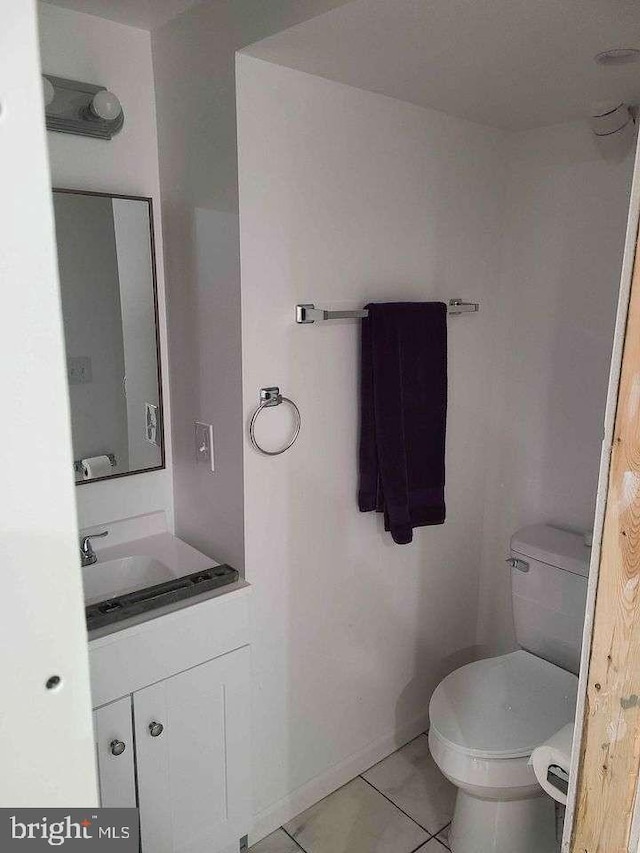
x: 168, y: 626
x: 170, y: 691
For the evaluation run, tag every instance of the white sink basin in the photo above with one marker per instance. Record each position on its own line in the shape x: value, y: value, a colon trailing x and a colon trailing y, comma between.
x: 117, y: 577
x: 130, y: 566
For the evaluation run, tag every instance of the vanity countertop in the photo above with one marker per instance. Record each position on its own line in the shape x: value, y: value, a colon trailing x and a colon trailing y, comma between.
x: 143, y: 650
x: 132, y: 565
x: 127, y: 565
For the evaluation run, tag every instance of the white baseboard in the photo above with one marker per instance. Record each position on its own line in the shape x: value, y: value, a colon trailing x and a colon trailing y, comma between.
x: 333, y: 778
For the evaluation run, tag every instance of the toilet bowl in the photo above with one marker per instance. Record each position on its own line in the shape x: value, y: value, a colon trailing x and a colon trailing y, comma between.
x: 486, y: 718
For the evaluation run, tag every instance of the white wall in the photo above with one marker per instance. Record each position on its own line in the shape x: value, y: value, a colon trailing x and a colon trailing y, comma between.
x: 93, y: 50
x: 564, y: 228
x: 346, y: 197
x: 193, y: 58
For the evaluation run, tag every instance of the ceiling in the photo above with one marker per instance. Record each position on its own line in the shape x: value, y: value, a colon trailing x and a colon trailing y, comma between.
x: 146, y: 14
x: 513, y: 64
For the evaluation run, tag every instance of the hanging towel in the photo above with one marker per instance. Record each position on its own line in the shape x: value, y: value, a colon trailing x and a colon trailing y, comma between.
x: 403, y: 415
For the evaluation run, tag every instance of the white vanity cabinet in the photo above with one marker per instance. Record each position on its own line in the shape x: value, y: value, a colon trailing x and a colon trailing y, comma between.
x: 190, y: 781
x: 113, y: 733
x: 177, y: 743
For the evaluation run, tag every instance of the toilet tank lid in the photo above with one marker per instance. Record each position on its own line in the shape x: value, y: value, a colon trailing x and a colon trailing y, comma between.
x: 559, y: 548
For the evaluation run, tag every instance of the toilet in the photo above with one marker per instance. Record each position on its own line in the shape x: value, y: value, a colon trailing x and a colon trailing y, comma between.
x: 486, y: 718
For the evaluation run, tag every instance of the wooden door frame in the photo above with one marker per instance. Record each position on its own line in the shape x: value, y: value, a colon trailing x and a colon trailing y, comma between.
x: 601, y: 812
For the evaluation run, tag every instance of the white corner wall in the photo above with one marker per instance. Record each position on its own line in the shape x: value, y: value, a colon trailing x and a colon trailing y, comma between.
x: 194, y: 65
x: 564, y: 228
x: 83, y: 47
x: 346, y: 197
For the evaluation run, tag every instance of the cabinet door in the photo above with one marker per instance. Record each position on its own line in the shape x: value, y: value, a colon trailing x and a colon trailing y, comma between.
x: 113, y: 732
x: 192, y: 748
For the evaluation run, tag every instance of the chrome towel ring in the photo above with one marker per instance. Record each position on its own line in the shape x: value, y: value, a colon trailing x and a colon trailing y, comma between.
x: 270, y: 397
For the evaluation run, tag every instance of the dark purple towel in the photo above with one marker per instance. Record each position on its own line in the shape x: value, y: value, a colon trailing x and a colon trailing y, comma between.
x: 403, y: 415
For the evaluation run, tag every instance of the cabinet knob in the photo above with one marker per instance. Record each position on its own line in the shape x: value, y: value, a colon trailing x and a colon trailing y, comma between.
x: 117, y: 747
x: 155, y: 729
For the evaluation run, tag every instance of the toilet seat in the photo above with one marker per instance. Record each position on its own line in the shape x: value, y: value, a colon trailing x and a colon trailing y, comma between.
x: 502, y: 707
x: 491, y: 779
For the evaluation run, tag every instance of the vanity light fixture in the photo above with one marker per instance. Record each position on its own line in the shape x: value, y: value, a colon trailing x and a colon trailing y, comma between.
x: 81, y: 108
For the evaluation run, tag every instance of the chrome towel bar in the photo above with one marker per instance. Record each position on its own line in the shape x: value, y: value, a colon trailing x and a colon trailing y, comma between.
x: 308, y: 313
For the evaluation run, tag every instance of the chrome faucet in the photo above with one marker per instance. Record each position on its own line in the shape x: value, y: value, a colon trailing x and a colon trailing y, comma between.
x: 87, y: 554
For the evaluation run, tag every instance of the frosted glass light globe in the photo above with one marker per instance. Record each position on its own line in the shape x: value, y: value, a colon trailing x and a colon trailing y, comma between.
x: 106, y: 105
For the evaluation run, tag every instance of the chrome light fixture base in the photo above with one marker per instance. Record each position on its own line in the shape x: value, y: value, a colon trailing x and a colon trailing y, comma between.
x: 70, y: 110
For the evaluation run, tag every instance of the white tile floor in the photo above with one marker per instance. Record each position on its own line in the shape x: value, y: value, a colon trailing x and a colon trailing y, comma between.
x: 401, y: 805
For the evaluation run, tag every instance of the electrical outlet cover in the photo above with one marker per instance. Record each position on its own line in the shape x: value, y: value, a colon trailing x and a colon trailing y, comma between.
x: 79, y: 370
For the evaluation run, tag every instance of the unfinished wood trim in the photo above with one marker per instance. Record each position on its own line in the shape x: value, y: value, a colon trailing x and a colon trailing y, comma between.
x: 603, y: 478
x: 610, y: 749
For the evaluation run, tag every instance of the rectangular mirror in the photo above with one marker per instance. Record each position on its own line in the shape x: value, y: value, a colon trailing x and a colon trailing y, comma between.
x: 106, y: 260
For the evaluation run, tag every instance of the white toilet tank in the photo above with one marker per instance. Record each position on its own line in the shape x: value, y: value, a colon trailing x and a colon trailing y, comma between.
x: 549, y: 575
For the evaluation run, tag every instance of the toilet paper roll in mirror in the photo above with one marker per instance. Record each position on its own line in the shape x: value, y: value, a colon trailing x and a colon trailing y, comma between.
x: 96, y: 466
x: 556, y: 753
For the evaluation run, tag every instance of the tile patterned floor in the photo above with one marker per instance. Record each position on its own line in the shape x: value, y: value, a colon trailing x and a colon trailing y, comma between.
x: 401, y: 805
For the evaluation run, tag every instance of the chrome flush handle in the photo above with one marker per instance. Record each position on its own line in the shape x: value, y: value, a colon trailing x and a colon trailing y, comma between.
x: 520, y: 565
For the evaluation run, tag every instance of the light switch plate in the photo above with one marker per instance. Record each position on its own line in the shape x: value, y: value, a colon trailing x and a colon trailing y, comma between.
x: 204, y: 444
